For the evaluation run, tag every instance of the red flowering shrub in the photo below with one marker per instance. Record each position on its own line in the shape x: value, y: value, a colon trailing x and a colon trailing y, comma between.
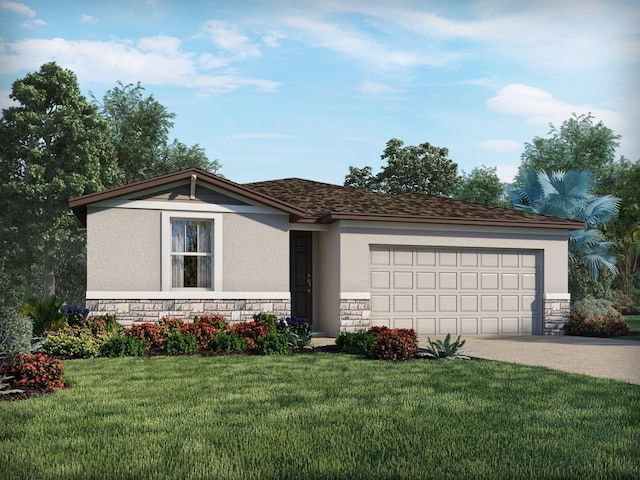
x: 393, y: 344
x: 205, y: 328
x: 147, y: 332
x: 251, y: 332
x: 34, y: 372
x: 171, y: 325
x: 609, y: 325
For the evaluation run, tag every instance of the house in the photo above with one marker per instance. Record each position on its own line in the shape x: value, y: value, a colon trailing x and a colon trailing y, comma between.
x: 192, y: 243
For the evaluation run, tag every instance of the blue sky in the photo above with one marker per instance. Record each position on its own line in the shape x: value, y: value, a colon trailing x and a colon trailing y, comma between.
x: 276, y: 89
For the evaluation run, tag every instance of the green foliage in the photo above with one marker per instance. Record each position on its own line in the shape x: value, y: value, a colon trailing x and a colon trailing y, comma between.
x: 123, y: 346
x: 178, y: 342
x: 16, y: 331
x: 74, y: 342
x: 5, y: 387
x: 355, y: 343
x: 269, y: 321
x: 579, y: 144
x: 297, y: 330
x: 482, y: 185
x: 422, y: 168
x: 53, y: 146
x: 45, y: 314
x: 568, y: 195
x: 226, y: 341
x: 438, y: 349
x: 34, y: 372
x: 273, y: 344
x: 592, y: 307
x: 139, y: 129
x: 609, y: 325
x: 582, y: 286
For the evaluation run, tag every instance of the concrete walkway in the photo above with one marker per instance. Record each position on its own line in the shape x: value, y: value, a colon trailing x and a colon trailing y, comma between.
x: 597, y: 357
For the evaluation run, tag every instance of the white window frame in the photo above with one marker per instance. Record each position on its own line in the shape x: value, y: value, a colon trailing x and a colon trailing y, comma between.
x: 166, y: 246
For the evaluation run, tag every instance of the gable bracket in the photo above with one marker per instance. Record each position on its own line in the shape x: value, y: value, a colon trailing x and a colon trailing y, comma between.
x: 192, y: 194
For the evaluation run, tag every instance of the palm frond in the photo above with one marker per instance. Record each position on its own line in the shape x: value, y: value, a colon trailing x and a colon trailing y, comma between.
x: 600, y: 210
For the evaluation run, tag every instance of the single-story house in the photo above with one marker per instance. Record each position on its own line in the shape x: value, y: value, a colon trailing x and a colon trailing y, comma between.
x: 193, y: 243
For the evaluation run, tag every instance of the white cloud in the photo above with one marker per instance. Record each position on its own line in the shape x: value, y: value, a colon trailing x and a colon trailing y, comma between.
x: 507, y: 173
x: 272, y: 38
x: 20, y: 8
x: 5, y: 100
x: 500, y: 145
x: 362, y: 47
x: 153, y: 61
x: 539, y: 107
x: 227, y: 37
x: 372, y: 88
x: 87, y: 18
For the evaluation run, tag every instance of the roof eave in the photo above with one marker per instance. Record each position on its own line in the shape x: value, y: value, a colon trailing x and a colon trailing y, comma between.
x: 561, y: 224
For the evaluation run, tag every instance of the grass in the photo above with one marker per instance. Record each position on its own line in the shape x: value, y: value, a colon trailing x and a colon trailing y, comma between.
x: 321, y: 416
x: 634, y: 326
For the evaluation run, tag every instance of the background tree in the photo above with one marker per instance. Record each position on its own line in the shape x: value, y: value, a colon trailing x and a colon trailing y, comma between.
x: 579, y: 144
x: 481, y: 185
x: 568, y: 195
x: 139, y: 127
x: 54, y: 146
x: 422, y: 168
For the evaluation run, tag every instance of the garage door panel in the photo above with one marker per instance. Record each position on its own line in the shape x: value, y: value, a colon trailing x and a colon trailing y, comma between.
x: 466, y: 291
x: 426, y: 326
x: 469, y: 326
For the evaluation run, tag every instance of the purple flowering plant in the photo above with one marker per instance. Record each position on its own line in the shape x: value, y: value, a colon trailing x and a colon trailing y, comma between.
x: 73, y: 314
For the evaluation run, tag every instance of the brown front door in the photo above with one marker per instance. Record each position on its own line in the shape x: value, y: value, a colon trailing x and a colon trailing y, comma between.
x: 300, y: 275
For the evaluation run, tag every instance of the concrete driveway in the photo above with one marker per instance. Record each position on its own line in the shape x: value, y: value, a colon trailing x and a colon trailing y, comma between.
x: 597, y: 357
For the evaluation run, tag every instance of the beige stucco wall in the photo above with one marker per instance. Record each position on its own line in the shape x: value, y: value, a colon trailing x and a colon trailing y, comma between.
x: 327, y: 266
x: 255, y: 253
x: 356, y: 239
x: 124, y: 251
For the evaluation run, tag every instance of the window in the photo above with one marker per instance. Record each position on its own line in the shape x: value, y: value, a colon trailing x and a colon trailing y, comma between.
x: 191, y: 253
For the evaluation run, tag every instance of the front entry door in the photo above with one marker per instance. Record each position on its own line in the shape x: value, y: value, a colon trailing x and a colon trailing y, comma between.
x: 300, y: 275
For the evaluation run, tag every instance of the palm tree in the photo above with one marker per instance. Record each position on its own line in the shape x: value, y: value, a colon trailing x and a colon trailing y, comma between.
x: 568, y: 195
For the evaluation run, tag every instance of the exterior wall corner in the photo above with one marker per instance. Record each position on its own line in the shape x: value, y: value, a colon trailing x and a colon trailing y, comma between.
x: 555, y: 313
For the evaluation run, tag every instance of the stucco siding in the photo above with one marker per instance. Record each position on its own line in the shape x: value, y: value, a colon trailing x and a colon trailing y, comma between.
x: 356, y: 240
x: 328, y: 291
x: 123, y: 249
x: 255, y: 253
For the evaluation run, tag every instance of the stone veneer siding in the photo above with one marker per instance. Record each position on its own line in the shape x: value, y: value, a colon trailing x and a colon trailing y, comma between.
x: 236, y: 310
x: 555, y: 316
x: 354, y: 315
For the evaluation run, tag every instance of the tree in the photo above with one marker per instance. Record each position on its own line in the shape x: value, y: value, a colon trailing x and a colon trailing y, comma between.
x: 568, y: 195
x: 423, y: 168
x: 54, y: 146
x: 139, y: 127
x: 482, y: 185
x: 578, y: 144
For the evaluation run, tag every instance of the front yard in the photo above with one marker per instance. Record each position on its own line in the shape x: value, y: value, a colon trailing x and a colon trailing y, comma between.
x: 320, y: 416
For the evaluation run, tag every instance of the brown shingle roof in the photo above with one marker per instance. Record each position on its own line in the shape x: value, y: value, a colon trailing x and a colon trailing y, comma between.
x: 326, y: 203
x: 307, y: 201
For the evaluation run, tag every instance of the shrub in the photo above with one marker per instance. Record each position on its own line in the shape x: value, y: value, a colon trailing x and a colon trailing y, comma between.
x: 34, y: 372
x: 273, y: 344
x: 592, y: 308
x: 74, y: 314
x: 150, y: 333
x: 355, y: 343
x: 15, y: 333
x: 226, y: 341
x: 178, y: 342
x: 251, y: 332
x: 393, y: 344
x: 45, y: 314
x: 205, y: 329
x: 123, y: 346
x: 268, y: 320
x: 4, y: 387
x: 610, y: 325
x: 74, y: 342
x: 102, y: 324
x: 297, y: 330
x: 443, y: 348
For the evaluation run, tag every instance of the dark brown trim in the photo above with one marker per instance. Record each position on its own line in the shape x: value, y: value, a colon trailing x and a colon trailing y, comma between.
x: 79, y: 204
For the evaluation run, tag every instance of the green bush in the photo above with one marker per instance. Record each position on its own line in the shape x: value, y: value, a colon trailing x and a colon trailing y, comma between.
x: 592, y: 308
x: 177, y: 342
x: 15, y: 333
x: 356, y: 343
x: 268, y: 320
x: 273, y: 344
x: 74, y: 342
x: 45, y: 314
x: 226, y: 341
x: 611, y: 325
x: 123, y: 346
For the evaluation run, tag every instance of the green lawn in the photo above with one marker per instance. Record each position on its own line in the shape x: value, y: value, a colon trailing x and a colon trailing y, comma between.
x: 633, y: 321
x: 321, y: 416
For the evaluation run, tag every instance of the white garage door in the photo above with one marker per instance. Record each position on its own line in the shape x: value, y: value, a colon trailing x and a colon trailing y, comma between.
x: 471, y: 292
